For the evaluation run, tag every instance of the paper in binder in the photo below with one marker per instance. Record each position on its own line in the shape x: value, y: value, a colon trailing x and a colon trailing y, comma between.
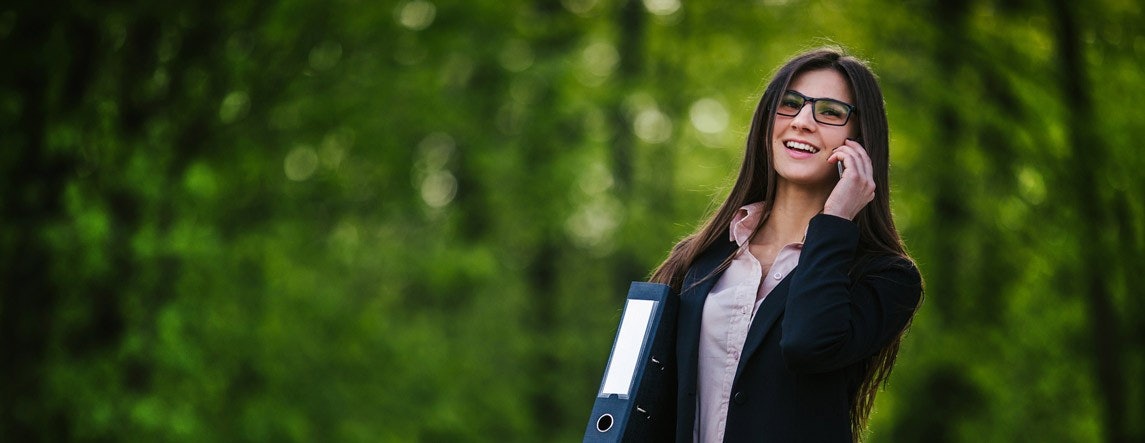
x: 637, y: 396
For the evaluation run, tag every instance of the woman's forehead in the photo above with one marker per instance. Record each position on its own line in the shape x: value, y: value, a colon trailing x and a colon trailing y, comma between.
x: 822, y: 83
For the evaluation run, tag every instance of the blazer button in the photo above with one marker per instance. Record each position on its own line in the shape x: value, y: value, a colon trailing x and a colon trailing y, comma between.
x: 740, y: 398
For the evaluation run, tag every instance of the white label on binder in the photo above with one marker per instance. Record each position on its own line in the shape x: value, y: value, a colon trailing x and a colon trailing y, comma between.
x: 626, y: 352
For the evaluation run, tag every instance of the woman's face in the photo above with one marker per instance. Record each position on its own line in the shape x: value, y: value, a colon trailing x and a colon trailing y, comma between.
x: 800, y: 145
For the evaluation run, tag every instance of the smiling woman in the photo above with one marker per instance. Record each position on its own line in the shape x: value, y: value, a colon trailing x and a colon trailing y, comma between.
x: 795, y: 293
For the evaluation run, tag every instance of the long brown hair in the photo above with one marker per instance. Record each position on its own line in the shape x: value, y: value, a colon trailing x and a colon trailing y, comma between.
x: 757, y: 182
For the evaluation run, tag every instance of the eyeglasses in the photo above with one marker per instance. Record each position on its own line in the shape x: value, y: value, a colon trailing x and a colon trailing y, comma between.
x: 825, y: 110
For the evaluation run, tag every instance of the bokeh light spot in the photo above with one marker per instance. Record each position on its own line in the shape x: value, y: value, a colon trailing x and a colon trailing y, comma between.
x: 438, y: 189
x: 600, y: 59
x: 201, y: 181
x: 416, y: 15
x: 234, y: 107
x: 300, y: 163
x: 708, y: 116
x: 662, y: 7
x: 436, y: 149
x: 652, y: 126
x: 334, y: 147
x: 1032, y: 186
x: 596, y: 179
x: 579, y: 7
x: 516, y: 56
x: 593, y: 224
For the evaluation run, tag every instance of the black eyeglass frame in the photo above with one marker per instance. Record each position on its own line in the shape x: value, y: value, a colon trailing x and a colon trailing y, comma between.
x: 850, y: 108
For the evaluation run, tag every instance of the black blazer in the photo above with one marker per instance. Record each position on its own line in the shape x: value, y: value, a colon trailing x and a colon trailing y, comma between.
x: 800, y: 365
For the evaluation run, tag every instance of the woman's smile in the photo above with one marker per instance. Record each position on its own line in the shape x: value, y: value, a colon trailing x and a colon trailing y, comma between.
x: 800, y: 149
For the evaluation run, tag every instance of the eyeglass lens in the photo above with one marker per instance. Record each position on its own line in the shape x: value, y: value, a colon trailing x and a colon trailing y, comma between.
x: 826, y: 111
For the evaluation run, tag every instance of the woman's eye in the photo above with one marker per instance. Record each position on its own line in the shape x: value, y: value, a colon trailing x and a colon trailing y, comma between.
x: 789, y: 103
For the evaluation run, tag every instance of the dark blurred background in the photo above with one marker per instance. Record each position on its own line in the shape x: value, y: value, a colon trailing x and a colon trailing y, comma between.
x: 417, y: 220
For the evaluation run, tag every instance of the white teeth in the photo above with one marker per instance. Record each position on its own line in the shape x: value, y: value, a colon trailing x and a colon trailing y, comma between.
x: 801, y: 146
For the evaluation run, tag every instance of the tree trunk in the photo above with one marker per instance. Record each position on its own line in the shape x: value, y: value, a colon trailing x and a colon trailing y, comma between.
x: 1088, y: 148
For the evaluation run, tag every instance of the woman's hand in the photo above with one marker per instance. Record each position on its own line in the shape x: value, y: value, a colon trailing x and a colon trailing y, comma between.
x: 856, y: 186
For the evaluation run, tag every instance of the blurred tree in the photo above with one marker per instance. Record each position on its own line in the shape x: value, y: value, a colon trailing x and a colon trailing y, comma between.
x: 1088, y: 152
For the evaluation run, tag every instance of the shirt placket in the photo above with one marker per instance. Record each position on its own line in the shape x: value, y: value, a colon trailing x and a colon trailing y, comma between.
x: 743, y: 308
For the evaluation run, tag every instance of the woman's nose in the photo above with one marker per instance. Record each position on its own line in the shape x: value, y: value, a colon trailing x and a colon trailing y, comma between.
x: 805, y: 119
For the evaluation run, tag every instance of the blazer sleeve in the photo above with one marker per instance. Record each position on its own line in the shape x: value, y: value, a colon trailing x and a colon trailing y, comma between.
x: 831, y: 322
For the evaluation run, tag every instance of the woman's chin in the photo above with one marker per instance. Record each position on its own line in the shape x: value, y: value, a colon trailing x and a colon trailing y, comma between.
x: 808, y: 179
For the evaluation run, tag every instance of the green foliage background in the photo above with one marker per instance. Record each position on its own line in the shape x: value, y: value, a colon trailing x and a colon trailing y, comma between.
x: 416, y: 220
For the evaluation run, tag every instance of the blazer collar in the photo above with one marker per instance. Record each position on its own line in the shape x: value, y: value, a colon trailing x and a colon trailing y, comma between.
x: 694, y: 290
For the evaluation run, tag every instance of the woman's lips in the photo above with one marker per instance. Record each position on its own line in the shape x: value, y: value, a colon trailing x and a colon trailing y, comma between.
x: 800, y: 150
x: 798, y: 154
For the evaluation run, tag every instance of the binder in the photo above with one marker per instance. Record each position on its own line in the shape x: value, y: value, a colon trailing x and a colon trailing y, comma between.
x: 637, y: 396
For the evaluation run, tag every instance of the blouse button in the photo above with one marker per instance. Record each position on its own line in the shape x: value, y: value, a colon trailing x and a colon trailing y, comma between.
x: 778, y: 276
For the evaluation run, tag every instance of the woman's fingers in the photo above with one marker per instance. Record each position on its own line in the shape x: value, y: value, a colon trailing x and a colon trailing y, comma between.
x: 853, y: 161
x: 856, y: 186
x: 863, y: 161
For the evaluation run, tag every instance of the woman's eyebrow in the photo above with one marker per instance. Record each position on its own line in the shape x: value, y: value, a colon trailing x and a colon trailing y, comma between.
x: 827, y: 97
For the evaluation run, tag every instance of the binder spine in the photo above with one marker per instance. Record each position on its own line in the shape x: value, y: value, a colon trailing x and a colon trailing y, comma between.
x: 648, y: 413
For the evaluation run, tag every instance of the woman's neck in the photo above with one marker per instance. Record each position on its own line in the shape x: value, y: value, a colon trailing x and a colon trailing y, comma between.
x: 790, y: 211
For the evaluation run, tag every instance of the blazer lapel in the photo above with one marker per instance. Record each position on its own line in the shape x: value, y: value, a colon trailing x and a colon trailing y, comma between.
x: 692, y: 297
x: 769, y: 311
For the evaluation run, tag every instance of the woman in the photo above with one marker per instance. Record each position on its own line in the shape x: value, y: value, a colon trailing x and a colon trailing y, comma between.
x: 795, y: 294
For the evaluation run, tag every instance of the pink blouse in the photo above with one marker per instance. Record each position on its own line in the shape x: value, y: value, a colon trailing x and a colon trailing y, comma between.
x: 728, y: 311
